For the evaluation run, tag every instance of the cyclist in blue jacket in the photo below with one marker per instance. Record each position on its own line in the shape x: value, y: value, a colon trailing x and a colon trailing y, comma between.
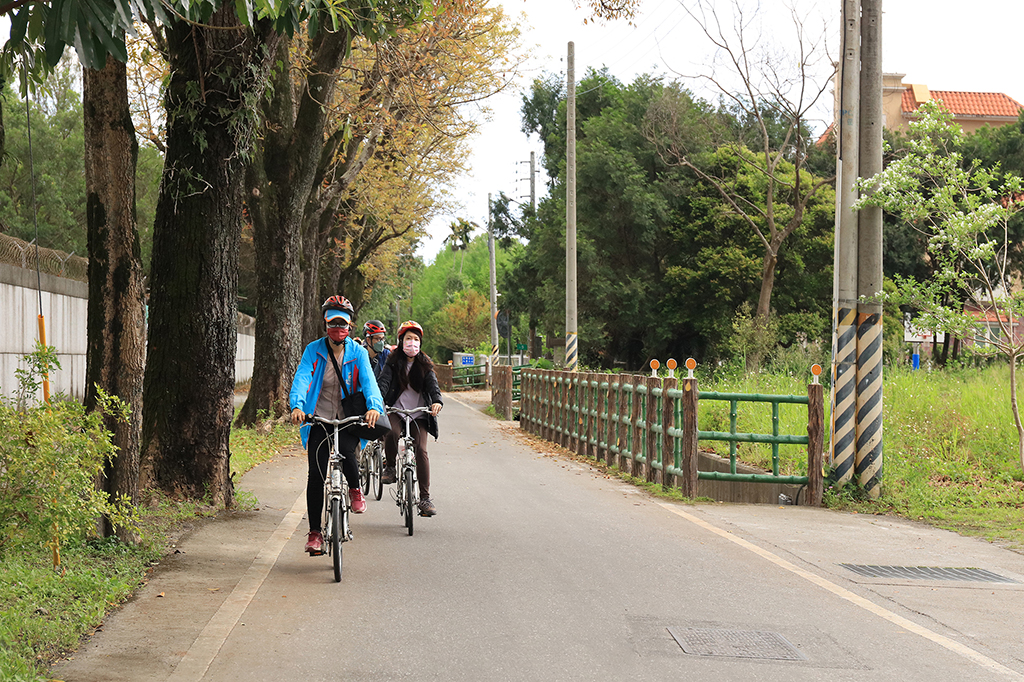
x: 317, y: 389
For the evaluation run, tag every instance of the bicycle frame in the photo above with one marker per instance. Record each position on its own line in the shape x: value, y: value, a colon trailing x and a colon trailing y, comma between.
x: 407, y: 483
x: 335, y: 491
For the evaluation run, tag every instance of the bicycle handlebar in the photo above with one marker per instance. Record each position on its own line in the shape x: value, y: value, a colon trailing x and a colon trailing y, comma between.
x: 346, y: 422
x: 407, y: 413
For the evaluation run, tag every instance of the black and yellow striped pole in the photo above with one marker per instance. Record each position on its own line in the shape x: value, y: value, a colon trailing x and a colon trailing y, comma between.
x: 844, y: 339
x: 856, y: 448
x: 869, y: 260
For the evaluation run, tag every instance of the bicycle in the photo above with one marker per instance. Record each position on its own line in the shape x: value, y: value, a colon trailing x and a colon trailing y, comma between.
x: 371, y: 467
x: 406, y: 495
x: 337, y: 505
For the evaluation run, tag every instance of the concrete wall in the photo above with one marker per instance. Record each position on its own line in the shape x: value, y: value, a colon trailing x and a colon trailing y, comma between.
x: 65, y: 308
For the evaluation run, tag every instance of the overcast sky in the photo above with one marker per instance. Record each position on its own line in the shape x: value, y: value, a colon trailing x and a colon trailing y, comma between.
x: 942, y: 44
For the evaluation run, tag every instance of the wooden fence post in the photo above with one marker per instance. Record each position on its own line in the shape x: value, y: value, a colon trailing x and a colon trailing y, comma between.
x: 590, y: 447
x: 524, y: 400
x: 546, y: 431
x: 688, y: 482
x: 613, y: 410
x: 572, y: 414
x: 650, y: 439
x: 624, y: 398
x: 815, y: 444
x: 444, y: 377
x: 563, y: 412
x: 634, y: 428
x: 601, y: 431
x: 668, y: 420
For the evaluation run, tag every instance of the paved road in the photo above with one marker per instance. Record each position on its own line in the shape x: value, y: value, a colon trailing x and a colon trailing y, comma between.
x: 538, y: 567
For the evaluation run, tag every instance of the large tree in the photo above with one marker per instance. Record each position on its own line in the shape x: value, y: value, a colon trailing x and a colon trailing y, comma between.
x: 116, y: 325
x: 381, y: 96
x: 772, y: 100
x: 218, y: 74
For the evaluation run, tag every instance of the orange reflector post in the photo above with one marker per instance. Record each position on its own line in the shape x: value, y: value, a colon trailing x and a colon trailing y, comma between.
x: 671, y: 364
x: 655, y: 364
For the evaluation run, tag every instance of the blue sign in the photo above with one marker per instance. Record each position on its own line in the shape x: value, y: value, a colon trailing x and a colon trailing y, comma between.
x: 467, y: 359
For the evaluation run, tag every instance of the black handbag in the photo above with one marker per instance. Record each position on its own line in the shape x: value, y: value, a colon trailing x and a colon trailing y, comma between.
x: 354, y: 403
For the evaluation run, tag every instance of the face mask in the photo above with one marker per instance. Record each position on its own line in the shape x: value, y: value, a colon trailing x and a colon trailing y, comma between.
x: 411, y: 346
x: 378, y: 346
x: 337, y: 334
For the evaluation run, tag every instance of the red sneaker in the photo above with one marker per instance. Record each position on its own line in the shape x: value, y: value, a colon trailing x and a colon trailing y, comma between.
x: 315, y: 543
x: 358, y: 501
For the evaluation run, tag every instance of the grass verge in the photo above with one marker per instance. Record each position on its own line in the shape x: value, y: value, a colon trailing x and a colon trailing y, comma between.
x: 44, y: 612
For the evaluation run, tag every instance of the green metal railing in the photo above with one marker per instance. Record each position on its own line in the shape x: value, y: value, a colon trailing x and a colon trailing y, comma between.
x: 469, y: 376
x: 640, y: 423
x: 732, y: 437
x: 517, y: 381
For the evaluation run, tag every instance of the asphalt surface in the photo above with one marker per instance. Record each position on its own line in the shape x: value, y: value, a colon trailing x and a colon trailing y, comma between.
x: 540, y: 567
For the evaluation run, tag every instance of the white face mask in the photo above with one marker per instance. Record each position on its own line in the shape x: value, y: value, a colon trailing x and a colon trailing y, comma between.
x: 411, y: 345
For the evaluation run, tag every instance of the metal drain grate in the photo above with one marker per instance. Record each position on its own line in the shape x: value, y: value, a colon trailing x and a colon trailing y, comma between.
x: 735, y: 643
x: 928, y: 573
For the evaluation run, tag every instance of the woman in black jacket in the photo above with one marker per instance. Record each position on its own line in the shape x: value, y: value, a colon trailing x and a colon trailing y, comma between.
x: 408, y: 381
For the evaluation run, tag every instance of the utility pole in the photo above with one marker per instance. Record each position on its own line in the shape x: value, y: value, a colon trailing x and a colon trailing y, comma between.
x: 533, y: 181
x: 856, y: 447
x: 868, y: 465
x: 844, y: 351
x: 494, y: 286
x: 571, y: 351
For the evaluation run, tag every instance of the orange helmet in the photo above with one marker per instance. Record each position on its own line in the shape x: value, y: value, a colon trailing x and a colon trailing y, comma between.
x: 407, y: 326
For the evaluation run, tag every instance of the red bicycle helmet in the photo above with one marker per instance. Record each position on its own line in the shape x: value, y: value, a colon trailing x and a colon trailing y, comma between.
x: 373, y: 327
x: 338, y: 303
x: 407, y: 326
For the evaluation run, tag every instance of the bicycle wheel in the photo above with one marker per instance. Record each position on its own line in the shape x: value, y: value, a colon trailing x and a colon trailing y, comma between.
x: 378, y: 469
x: 409, y: 513
x: 336, y: 537
x: 365, y: 467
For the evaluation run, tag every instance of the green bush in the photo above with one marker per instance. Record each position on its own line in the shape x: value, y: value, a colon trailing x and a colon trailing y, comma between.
x: 50, y: 458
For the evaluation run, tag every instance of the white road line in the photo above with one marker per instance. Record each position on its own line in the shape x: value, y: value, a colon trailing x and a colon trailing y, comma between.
x: 200, y: 655
x: 867, y: 605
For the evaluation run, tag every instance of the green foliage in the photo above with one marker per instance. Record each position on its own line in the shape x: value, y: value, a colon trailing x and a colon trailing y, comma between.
x: 50, y: 456
x: 663, y: 261
x: 58, y: 152
x: 58, y: 146
x: 44, y: 613
x: 253, y: 446
x: 751, y: 335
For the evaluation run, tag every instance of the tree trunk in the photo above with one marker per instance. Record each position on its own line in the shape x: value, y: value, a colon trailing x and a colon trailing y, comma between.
x: 1015, y: 407
x: 217, y: 72
x: 764, y: 304
x: 281, y: 179
x: 116, y: 323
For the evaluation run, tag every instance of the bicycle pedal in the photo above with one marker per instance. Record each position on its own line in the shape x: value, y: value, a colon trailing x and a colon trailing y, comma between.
x: 320, y: 553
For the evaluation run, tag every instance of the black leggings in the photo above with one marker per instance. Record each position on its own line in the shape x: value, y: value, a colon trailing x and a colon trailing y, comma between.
x: 318, y: 449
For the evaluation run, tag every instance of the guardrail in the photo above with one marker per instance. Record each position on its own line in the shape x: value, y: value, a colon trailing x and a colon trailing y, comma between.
x: 648, y: 426
x: 465, y: 377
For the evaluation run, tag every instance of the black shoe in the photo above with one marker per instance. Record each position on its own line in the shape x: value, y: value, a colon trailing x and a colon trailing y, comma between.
x: 388, y: 477
x: 427, y: 507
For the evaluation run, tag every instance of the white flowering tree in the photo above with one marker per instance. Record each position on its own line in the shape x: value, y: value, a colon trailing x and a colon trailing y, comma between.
x: 964, y: 210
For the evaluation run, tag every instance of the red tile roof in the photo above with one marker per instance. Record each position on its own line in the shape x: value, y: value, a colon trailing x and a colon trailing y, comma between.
x: 970, y: 104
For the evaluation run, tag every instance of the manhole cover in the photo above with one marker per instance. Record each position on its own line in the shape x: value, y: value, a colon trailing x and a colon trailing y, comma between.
x: 928, y: 573
x: 735, y: 643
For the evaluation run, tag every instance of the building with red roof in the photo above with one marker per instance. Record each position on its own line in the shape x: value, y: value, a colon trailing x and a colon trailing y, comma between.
x: 972, y: 110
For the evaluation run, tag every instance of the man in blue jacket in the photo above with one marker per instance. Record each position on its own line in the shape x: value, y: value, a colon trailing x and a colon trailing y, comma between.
x: 331, y: 368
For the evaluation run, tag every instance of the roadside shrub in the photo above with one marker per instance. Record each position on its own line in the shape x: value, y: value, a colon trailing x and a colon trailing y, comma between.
x: 50, y: 458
